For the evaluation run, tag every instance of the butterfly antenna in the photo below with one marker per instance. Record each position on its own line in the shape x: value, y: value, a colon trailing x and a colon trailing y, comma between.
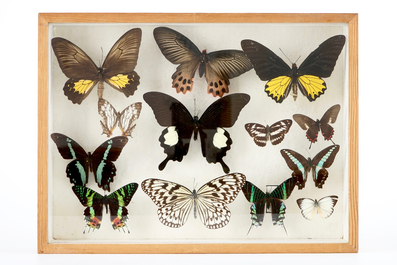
x: 285, y: 55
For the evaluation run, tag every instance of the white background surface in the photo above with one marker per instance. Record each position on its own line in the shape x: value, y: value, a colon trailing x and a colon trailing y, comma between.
x: 18, y: 42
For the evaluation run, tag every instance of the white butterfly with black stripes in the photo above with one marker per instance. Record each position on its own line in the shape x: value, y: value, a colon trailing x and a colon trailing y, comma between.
x: 111, y: 118
x: 175, y: 201
x: 275, y: 133
x: 324, y: 207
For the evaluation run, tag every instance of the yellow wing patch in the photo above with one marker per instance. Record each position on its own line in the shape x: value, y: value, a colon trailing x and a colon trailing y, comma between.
x: 276, y: 87
x: 313, y: 85
x: 82, y: 86
x: 120, y: 80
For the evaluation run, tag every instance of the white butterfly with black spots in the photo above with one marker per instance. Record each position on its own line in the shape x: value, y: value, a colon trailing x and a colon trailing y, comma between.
x: 175, y: 201
x: 126, y: 119
x: 274, y: 133
x: 324, y: 207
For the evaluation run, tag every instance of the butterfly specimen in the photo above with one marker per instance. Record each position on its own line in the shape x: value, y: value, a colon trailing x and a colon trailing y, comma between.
x: 111, y: 118
x: 308, y: 77
x: 215, y: 140
x: 324, y: 207
x: 99, y: 162
x: 271, y: 201
x: 116, y: 201
x: 218, y: 67
x: 275, y: 133
x: 117, y: 69
x: 302, y: 166
x: 175, y: 201
x: 313, y: 127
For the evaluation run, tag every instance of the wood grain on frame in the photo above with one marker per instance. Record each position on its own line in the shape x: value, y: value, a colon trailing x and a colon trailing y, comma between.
x: 45, y: 19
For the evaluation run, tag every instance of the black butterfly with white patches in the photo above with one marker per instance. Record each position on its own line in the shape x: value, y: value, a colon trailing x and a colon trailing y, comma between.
x: 324, y: 207
x: 218, y: 66
x: 274, y: 133
x: 313, y: 127
x: 175, y: 139
x: 116, y: 202
x: 302, y: 166
x: 126, y: 120
x: 175, y: 201
x: 263, y: 201
x: 100, y: 162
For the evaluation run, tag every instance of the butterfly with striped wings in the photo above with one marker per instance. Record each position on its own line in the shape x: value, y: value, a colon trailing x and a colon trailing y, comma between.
x: 100, y: 162
x: 218, y: 66
x: 274, y: 133
x: 115, y: 202
x: 282, y: 78
x: 175, y: 139
x: 126, y: 119
x: 301, y: 166
x: 314, y: 127
x: 264, y: 201
x: 175, y: 201
x: 117, y: 69
x: 324, y: 207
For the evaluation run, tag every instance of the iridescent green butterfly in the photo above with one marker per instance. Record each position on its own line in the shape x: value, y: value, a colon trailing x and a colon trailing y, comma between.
x: 116, y: 201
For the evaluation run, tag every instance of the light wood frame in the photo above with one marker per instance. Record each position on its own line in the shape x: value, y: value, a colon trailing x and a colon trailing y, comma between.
x: 45, y: 19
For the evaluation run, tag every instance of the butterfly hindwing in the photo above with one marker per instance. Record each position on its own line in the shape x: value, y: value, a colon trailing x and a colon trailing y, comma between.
x: 117, y: 70
x: 175, y: 201
x: 308, y: 77
x: 324, y: 206
x: 218, y: 67
x: 175, y: 139
x: 275, y: 133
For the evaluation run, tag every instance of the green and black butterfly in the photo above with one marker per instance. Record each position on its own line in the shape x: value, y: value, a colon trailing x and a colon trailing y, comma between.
x: 265, y: 201
x: 117, y: 69
x: 302, y: 166
x: 116, y: 201
x: 308, y: 77
x: 99, y: 162
x: 218, y: 66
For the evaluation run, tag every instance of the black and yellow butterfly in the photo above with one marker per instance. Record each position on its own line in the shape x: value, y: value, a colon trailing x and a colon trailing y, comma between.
x: 117, y: 69
x: 116, y: 201
x: 100, y: 162
x: 308, y: 77
x: 218, y: 66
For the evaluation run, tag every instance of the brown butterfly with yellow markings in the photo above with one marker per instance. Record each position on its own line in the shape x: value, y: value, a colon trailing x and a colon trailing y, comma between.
x: 117, y: 69
x: 218, y: 66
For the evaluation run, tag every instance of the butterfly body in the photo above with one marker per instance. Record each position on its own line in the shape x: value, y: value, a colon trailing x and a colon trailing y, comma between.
x: 215, y: 140
x: 301, y: 166
x: 100, y: 162
x: 313, y: 127
x: 282, y: 78
x: 324, y: 206
x: 218, y: 67
x: 271, y: 201
x: 274, y: 133
x: 114, y: 202
x: 117, y: 69
x: 175, y: 201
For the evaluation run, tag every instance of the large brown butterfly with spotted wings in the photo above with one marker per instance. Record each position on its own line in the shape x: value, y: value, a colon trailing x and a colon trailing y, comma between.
x: 117, y: 69
x: 175, y: 201
x: 218, y: 66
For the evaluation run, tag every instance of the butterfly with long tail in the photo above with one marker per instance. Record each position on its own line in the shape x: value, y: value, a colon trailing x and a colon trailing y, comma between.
x: 313, y: 127
x: 100, y: 162
x: 274, y: 133
x: 175, y: 139
x: 115, y: 202
x: 282, y: 78
x: 175, y: 201
x: 126, y: 119
x: 117, y: 70
x: 218, y: 66
x: 301, y: 166
x: 324, y: 206
x: 265, y: 201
